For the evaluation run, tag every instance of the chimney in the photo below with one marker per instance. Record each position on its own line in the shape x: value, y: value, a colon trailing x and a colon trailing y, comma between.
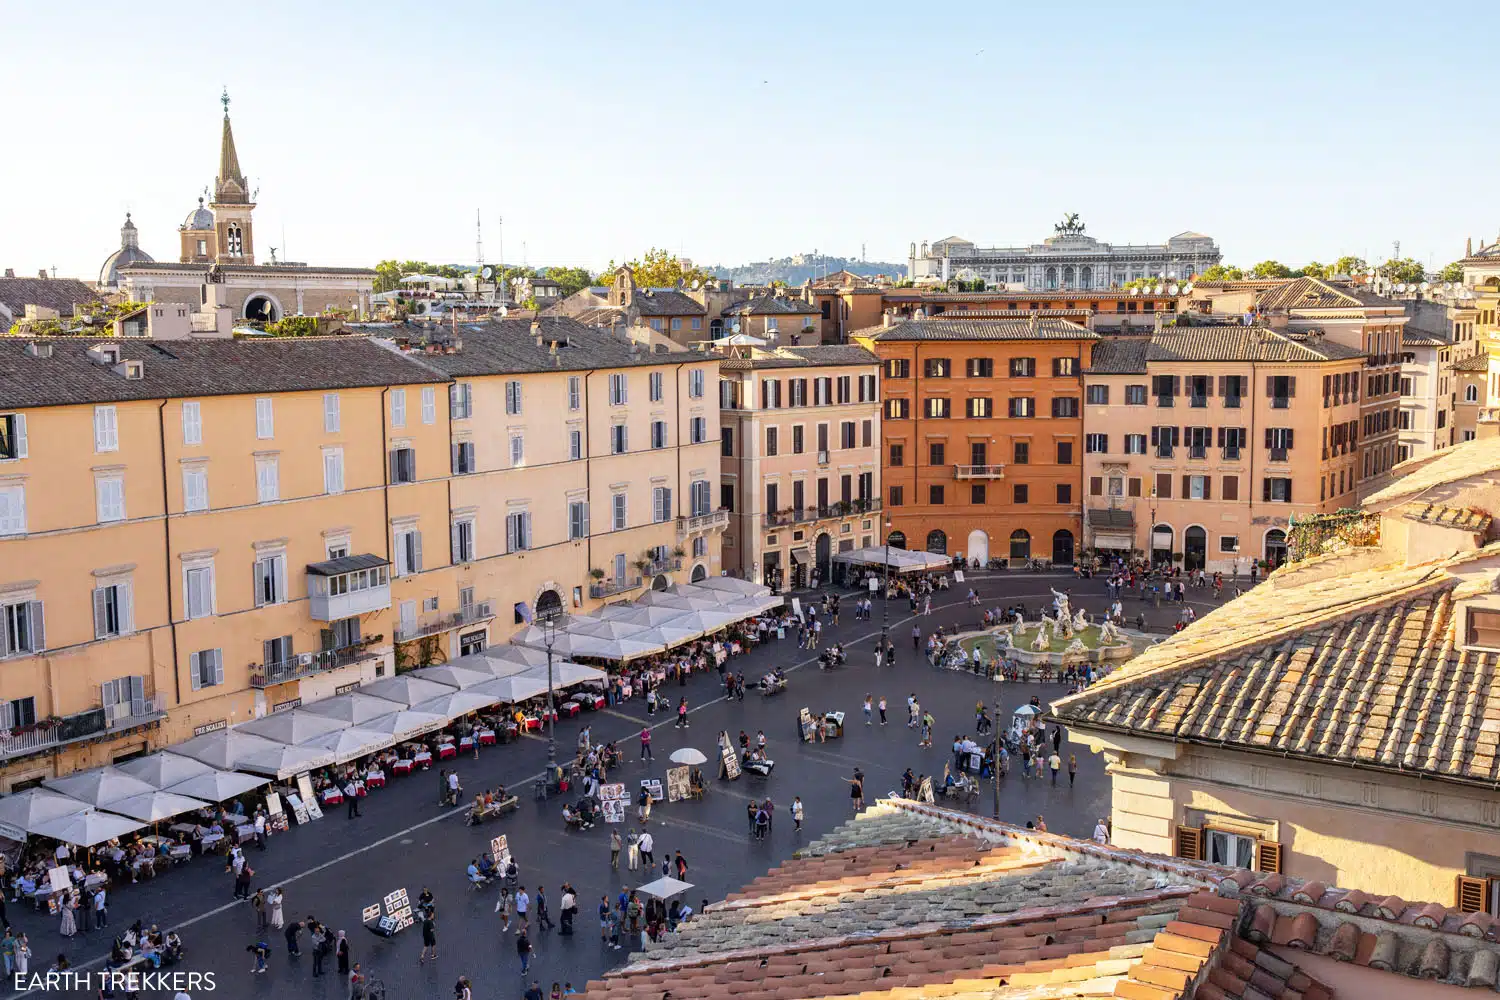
x: 886, y: 319
x: 10, y: 272
x: 42, y: 274
x: 536, y: 331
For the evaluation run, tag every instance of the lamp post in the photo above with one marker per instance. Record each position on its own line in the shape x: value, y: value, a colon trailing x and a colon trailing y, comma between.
x: 550, y: 623
x: 885, y: 589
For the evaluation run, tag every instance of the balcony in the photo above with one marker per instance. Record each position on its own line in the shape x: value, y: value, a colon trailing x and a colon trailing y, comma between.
x: 1279, y: 454
x: 656, y: 567
x: 480, y: 611
x: 979, y: 472
x: 1281, y: 402
x: 263, y: 675
x: 806, y: 515
x: 1198, y: 402
x: 51, y: 734
x: 609, y: 588
x: 715, y: 520
x: 347, y: 587
x: 1197, y: 451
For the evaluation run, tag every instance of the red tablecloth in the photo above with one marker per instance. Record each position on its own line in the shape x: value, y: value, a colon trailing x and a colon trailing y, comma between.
x: 486, y: 738
x: 466, y: 743
x: 401, y: 767
x: 375, y: 780
x: 569, y: 709
x: 332, y: 797
x: 446, y: 750
x: 533, y: 725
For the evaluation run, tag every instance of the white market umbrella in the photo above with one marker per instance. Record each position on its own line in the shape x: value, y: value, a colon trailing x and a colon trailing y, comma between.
x: 665, y: 887
x: 667, y: 635
x: 641, y: 615
x: 604, y: 628
x: 705, y: 621
x: 689, y: 755
x: 282, y: 761
x: 1027, y: 710
x: 353, y: 708
x: 454, y: 675
x: 505, y: 661
x: 567, y: 673
x: 27, y: 809
x: 734, y: 585
x: 351, y: 744
x: 220, y: 749
x: 406, y: 724
x: 458, y: 704
x: 295, y: 727
x: 567, y: 644
x: 517, y: 688
x: 405, y: 689
x: 218, y: 786
x: 99, y: 786
x: 163, y: 769
x: 682, y: 602
x: 156, y: 805
x: 87, y: 828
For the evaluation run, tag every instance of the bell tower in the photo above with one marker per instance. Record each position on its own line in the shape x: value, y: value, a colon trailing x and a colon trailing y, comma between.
x: 231, y: 205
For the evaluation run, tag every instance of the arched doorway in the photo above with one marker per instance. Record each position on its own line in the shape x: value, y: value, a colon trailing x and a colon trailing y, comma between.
x: 1020, y: 545
x: 1275, y: 548
x: 937, y: 541
x: 1062, y: 547
x: 662, y: 582
x: 548, y: 604
x: 823, y: 554
x: 263, y: 308
x: 1161, y: 543
x: 700, y: 573
x: 1194, y: 548
x: 979, y: 547
x: 896, y: 539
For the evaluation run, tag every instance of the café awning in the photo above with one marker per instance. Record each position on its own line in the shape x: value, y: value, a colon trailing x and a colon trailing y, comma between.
x: 156, y: 805
x: 217, y: 786
x: 25, y: 810
x: 405, y: 689
x: 353, y: 708
x: 351, y: 744
x: 99, y: 786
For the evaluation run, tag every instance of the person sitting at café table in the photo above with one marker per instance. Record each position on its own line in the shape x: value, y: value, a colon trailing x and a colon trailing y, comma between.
x: 570, y: 816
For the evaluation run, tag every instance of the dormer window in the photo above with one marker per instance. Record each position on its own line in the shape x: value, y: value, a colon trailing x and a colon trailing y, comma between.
x: 1483, y: 628
x: 105, y: 354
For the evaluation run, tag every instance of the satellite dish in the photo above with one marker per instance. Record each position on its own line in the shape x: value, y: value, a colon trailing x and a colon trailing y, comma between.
x: 1401, y: 287
x: 696, y: 283
x: 1188, y: 287
x: 1136, y: 290
x: 487, y: 273
x: 1426, y: 285
x: 1172, y: 290
x: 1155, y: 289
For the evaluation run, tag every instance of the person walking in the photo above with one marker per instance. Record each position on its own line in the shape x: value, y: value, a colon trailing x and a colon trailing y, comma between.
x: 614, y: 849
x: 857, y: 790
x: 242, y: 881
x: 1054, y: 764
x: 797, y: 812
x: 680, y: 863
x: 68, y: 926
x: 523, y: 949
x: 341, y: 954
x: 275, y: 900
x: 916, y: 638
x: 869, y: 708
x: 322, y: 945
x: 646, y: 744
x: 1072, y: 769
x: 351, y: 798
x: 882, y: 709
x: 682, y: 713
x: 258, y: 904
x: 429, y: 936
x: 647, y: 844
x: 101, y: 912
x: 568, y: 909
x: 523, y: 905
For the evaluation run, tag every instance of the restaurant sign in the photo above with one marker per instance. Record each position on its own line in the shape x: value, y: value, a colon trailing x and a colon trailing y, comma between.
x: 211, y: 727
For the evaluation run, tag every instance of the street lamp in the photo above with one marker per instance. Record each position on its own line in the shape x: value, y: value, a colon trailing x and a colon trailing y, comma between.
x: 551, y: 622
x: 885, y: 593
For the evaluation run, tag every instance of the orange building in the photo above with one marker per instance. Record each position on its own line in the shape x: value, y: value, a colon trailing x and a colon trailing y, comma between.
x: 982, y: 434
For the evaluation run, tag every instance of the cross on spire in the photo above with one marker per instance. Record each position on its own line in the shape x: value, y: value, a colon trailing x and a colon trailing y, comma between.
x: 224, y: 99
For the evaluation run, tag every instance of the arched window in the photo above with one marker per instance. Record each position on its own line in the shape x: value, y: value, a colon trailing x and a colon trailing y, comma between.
x: 1471, y: 394
x: 1086, y: 278
x: 236, y: 240
x: 548, y: 604
x: 1067, y: 277
x: 896, y: 539
x: 1020, y: 544
x: 1051, y: 279
x: 937, y: 541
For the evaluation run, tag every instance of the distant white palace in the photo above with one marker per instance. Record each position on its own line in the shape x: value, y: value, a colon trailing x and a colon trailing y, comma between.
x: 1065, y: 261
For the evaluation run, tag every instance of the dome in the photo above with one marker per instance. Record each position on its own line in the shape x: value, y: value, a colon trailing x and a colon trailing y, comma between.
x: 130, y: 252
x: 199, y: 218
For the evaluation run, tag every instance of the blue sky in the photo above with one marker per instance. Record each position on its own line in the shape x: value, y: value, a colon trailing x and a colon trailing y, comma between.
x: 731, y: 133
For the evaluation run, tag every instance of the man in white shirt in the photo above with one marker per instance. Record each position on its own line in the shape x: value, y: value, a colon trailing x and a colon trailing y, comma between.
x: 101, y: 913
x: 523, y: 904
x: 646, y: 845
x: 453, y: 789
x: 260, y: 829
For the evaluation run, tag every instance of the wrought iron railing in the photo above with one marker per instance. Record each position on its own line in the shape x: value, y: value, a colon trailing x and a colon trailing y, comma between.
x: 1322, y: 534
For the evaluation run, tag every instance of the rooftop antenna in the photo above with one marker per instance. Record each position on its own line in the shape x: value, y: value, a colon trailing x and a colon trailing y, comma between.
x: 54, y: 270
x: 523, y: 253
x: 478, y: 239
x: 500, y: 223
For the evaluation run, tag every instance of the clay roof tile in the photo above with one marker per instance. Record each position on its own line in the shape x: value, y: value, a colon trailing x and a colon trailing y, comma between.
x: 1430, y: 916
x: 1434, y: 964
x: 1391, y: 907
x: 1344, y: 942
x: 1262, y: 924
x: 1309, y: 892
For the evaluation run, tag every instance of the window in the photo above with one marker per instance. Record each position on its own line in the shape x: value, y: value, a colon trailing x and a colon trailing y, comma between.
x: 1232, y: 390
x: 726, y: 442
x: 112, y: 612
x: 867, y: 434
x: 619, y: 511
x: 1135, y: 395
x: 1098, y: 395
x: 658, y: 434
x: 867, y: 389
x: 936, y: 453
x: 198, y: 585
x: 619, y: 439
x: 403, y: 467
x: 935, y: 494
x: 109, y: 495
x: 772, y: 495
x: 1164, y: 388
x: 1065, y: 406
x: 700, y: 543
x: 1019, y: 493
x: 12, y: 436
x: 429, y: 404
x: 897, y: 455
x: 267, y: 480
x: 106, y: 429
x: 270, y: 580
x: 980, y: 368
x: 1232, y: 849
x: 1065, y: 453
x: 518, y: 531
x: 976, y: 493
x: 463, y: 541
x: 1095, y: 444
x: 18, y: 712
x: 1164, y: 440
x: 898, y: 368
x: 654, y: 385
x: 195, y: 489
x: 1021, y: 452
x: 513, y: 398
x: 1022, y: 367
x: 517, y: 449
x: 1471, y: 393
x: 1483, y: 628
x: 575, y: 392
x: 772, y: 435
x: 772, y: 324
x: 618, y: 390
x: 661, y: 504
x: 1231, y: 488
x: 936, y: 368
x: 1022, y: 406
x: 206, y: 668
x: 1231, y: 440
x: 697, y: 323
x: 1195, y: 488
x: 462, y: 457
x: 1135, y: 444
x: 330, y: 413
x: 797, y: 392
x: 265, y: 419
x: 1279, y: 490
x: 698, y: 430
x: 1279, y: 441
x: 1064, y: 367
x: 408, y: 552
x: 897, y: 409
x: 333, y: 470
x: 937, y: 408
x: 770, y: 394
x: 897, y: 496
x: 575, y: 444
x: 847, y: 434
x: 695, y: 383
x: 676, y: 322
x: 1064, y: 492
x: 1281, y: 389
x: 823, y: 390
x: 192, y: 423
x: 1229, y: 543
x: 700, y: 497
x: 981, y: 406
x: 460, y: 401
x: 578, y: 519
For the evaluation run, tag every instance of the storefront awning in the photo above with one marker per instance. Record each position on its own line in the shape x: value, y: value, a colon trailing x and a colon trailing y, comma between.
x: 800, y: 556
x: 1123, y: 543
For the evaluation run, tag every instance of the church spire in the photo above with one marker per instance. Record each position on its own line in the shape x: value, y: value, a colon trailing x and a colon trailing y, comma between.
x: 230, y: 187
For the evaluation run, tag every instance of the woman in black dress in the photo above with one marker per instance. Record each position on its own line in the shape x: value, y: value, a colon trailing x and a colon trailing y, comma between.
x: 341, y: 953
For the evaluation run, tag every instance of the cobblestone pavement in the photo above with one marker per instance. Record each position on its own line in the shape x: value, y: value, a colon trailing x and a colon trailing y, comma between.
x: 333, y: 868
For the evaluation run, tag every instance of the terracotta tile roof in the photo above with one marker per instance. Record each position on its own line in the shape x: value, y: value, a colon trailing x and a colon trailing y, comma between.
x: 61, y: 294
x: 1466, y: 518
x: 817, y: 356
x: 1417, y: 337
x: 1016, y: 313
x: 1325, y: 661
x: 665, y: 302
x: 1119, y: 356
x: 1313, y: 293
x: 1473, y: 363
x: 770, y: 305
x: 1462, y: 461
x: 958, y: 328
x: 1242, y: 343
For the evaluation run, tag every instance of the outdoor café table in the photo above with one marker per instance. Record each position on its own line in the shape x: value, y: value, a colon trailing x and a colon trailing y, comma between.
x: 533, y: 723
x: 446, y: 750
x: 486, y: 737
x: 211, y: 839
x: 422, y: 759
x: 375, y: 778
x: 235, y: 819
x: 569, y: 709
x: 178, y: 853
x: 246, y: 831
x: 466, y: 743
x: 331, y: 797
x: 186, y: 829
x: 401, y: 767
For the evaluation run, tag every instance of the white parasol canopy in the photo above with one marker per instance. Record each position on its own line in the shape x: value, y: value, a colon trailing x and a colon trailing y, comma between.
x: 156, y: 805
x: 162, y: 769
x: 689, y: 755
x: 459, y: 703
x: 295, y: 727
x: 405, y: 689
x: 665, y: 887
x: 99, y: 785
x: 350, y: 744
x: 668, y: 635
x: 601, y: 628
x: 705, y: 621
x: 682, y: 602
x: 407, y: 723
x: 454, y: 675
x: 87, y: 828
x: 567, y: 673
x: 222, y: 748
x: 516, y: 688
x: 568, y: 644
x: 217, y: 786
x: 734, y: 585
x: 283, y: 761
x: 640, y: 615
x: 27, y: 809
x: 353, y: 708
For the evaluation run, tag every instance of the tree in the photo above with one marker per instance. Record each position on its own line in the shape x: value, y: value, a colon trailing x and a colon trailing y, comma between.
x: 1452, y: 272
x: 1350, y: 266
x: 1403, y: 269
x: 1222, y: 272
x: 388, y: 273
x: 1313, y: 270
x: 572, y: 279
x: 658, y: 268
x: 1270, y: 269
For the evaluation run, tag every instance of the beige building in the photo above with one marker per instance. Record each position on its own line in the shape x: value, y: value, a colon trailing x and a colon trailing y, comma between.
x: 1203, y: 441
x: 800, y: 460
x: 1334, y: 723
x: 777, y: 318
x: 197, y: 533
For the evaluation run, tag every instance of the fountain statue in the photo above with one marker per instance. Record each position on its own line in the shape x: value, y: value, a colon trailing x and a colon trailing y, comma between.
x: 1060, y: 604
x: 1080, y: 620
x: 1076, y: 647
x: 1007, y: 642
x: 1042, y: 642
x: 1108, y: 632
x: 1020, y: 623
x: 1062, y: 628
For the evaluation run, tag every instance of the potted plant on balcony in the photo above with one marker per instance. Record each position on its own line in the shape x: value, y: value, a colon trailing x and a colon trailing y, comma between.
x: 643, y: 564
x: 678, y: 552
x: 596, y: 574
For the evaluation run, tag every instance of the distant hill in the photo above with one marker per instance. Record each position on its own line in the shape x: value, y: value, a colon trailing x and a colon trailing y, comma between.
x: 796, y: 269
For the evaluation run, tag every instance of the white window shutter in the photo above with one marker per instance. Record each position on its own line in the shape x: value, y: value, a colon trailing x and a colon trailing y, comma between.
x: 218, y: 657
x: 195, y: 668
x: 20, y: 427
x: 455, y: 543
x: 123, y: 597
x: 526, y: 529
x: 416, y: 552
x: 510, y: 533
x: 429, y: 404
x: 101, y: 612
x: 279, y: 564
x: 330, y: 412
x: 400, y: 554
x: 38, y: 628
